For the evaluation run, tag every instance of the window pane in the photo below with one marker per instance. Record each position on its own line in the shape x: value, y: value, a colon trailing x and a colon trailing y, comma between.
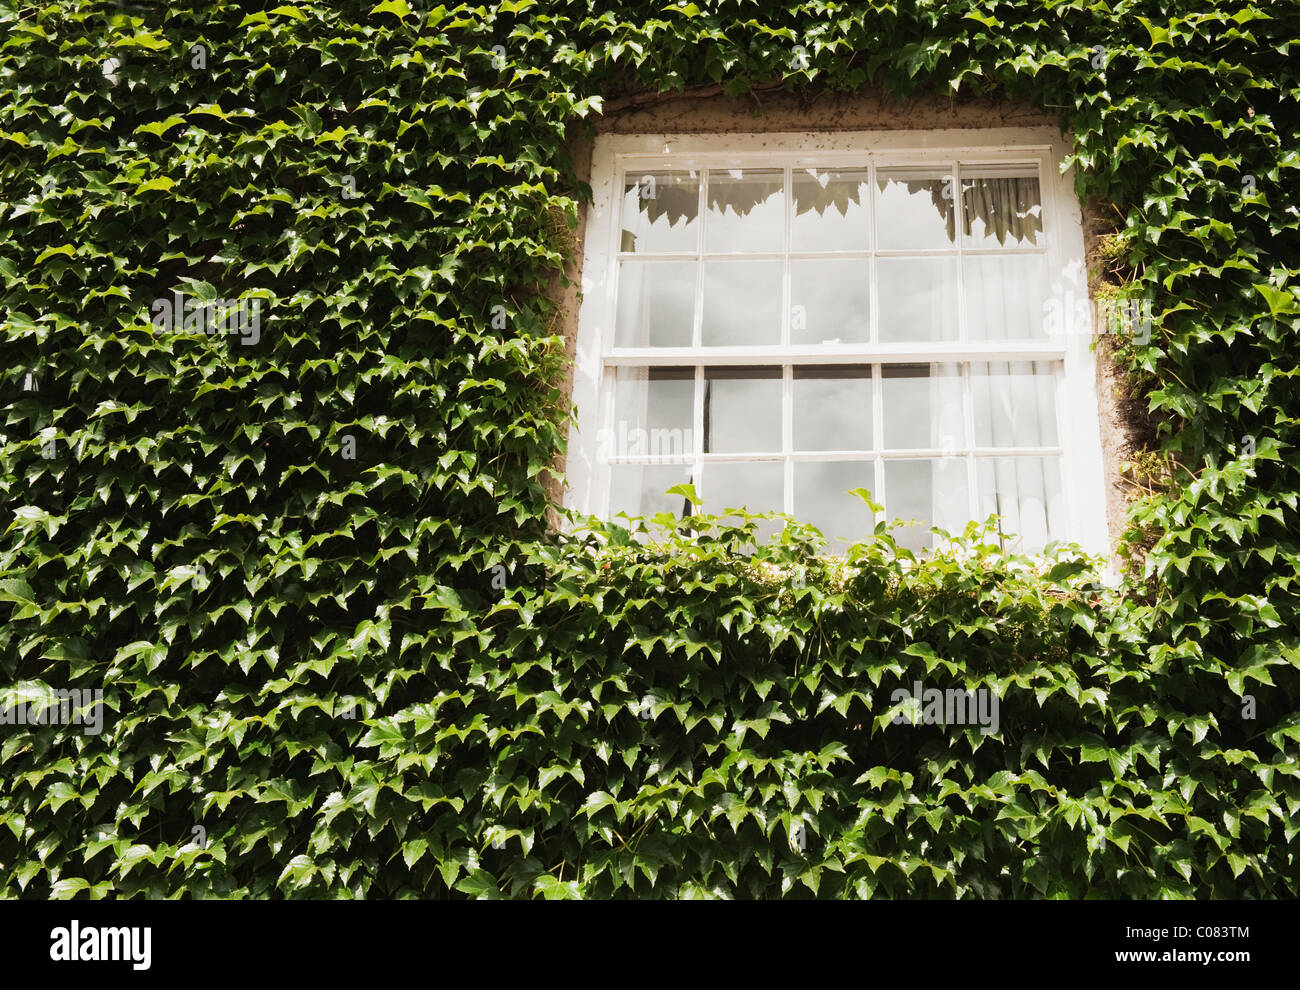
x: 821, y: 497
x: 742, y: 410
x: 915, y: 208
x: 754, y: 487
x: 1015, y: 404
x: 653, y: 410
x: 832, y: 408
x: 638, y: 489
x: 661, y: 211
x: 918, y: 299
x: 923, y: 407
x: 830, y: 210
x: 656, y: 304
x: 933, y: 492
x: 742, y: 303
x: 1004, y: 296
x: 830, y: 301
x: 746, y: 211
x: 1026, y: 493
x: 1001, y: 208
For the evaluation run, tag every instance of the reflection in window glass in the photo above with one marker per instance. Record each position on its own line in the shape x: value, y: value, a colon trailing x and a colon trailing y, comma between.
x: 918, y: 299
x: 916, y: 208
x: 931, y: 492
x: 653, y: 413
x: 832, y: 408
x: 830, y: 210
x: 639, y: 489
x: 821, y: 498
x: 656, y: 304
x: 746, y: 211
x: 660, y: 211
x: 742, y: 410
x: 923, y: 407
x: 830, y: 301
x: 753, y: 487
x: 742, y: 303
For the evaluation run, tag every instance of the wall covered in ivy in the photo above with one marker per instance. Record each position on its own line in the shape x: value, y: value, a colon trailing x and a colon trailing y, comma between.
x: 276, y: 579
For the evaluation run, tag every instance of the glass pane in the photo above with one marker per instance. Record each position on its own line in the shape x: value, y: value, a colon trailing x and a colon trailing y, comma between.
x: 1015, y: 404
x: 656, y: 304
x: 932, y: 492
x: 821, y: 497
x: 746, y: 211
x: 832, y: 408
x: 1026, y: 493
x: 915, y: 208
x: 661, y: 211
x: 923, y: 407
x: 638, y: 489
x: 742, y: 410
x: 1005, y: 296
x: 752, y: 486
x: 742, y: 303
x: 918, y: 299
x: 1001, y: 207
x: 830, y: 301
x: 830, y: 210
x: 653, y: 410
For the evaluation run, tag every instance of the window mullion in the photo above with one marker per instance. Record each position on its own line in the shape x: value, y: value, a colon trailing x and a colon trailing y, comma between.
x: 697, y: 418
x: 957, y: 216
x: 878, y: 432
x: 787, y: 371
x: 697, y: 320
x: 786, y: 288
x: 787, y: 433
x: 968, y: 414
x: 873, y: 267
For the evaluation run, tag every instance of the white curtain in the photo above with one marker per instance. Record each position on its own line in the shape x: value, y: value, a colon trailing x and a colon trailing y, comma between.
x: 1012, y: 400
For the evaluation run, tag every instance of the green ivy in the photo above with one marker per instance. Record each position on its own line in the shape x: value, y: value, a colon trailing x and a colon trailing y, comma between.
x: 341, y: 650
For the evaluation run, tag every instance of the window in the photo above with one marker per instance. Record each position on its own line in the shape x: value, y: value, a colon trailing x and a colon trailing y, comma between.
x: 781, y: 319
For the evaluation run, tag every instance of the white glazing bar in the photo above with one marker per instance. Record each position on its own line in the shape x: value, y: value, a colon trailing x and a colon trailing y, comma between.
x: 873, y: 272
x: 878, y: 432
x: 962, y: 329
x: 786, y: 289
x: 730, y: 457
x: 658, y: 256
x: 787, y: 371
x: 904, y: 353
x: 902, y: 454
x: 755, y: 150
x: 856, y: 255
x: 787, y: 433
x: 697, y: 324
x: 968, y: 417
x: 697, y: 418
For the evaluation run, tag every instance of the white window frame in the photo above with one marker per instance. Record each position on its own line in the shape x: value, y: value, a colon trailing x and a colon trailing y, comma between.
x: 587, y: 480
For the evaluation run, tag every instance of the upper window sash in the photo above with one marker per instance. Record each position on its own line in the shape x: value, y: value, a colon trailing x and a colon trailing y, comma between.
x: 949, y: 165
